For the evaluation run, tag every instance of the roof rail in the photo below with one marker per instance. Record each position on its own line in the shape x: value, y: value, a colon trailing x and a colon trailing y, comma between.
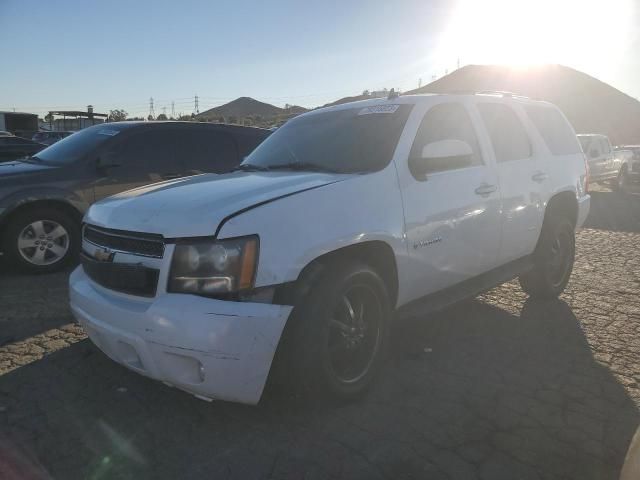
x: 502, y: 93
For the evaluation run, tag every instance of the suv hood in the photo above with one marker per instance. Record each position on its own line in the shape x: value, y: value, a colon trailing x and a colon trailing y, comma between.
x: 195, y: 206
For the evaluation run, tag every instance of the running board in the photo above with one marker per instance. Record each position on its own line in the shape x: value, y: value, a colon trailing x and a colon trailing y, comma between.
x: 467, y: 289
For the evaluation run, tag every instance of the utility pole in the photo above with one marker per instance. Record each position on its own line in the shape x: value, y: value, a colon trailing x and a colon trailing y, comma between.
x: 152, y: 112
x: 195, y: 104
x: 420, y: 82
x: 173, y: 109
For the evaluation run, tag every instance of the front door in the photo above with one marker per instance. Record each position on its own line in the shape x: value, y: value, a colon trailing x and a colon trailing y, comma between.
x: 452, y: 216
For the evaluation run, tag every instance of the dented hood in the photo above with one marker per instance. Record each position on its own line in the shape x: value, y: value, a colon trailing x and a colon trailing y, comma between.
x: 196, y: 206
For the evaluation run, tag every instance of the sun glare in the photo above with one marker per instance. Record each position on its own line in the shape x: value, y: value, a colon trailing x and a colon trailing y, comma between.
x: 587, y: 33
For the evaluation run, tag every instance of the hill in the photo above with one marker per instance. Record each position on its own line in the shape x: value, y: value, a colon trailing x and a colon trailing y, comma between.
x: 245, y: 107
x: 590, y: 105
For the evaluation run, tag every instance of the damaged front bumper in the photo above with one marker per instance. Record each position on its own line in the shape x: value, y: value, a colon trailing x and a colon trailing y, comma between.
x: 213, y: 349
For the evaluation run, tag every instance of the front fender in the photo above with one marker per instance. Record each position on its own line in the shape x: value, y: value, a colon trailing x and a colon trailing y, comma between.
x: 297, y: 229
x: 28, y: 195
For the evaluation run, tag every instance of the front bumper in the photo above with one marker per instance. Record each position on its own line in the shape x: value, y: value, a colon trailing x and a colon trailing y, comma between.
x: 210, y: 348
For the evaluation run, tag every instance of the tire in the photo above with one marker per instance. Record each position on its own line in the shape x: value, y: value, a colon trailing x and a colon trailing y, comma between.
x: 622, y: 181
x: 553, y: 260
x: 42, y: 240
x: 327, y: 352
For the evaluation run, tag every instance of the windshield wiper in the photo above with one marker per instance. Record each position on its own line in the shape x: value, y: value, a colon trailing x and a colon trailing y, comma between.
x: 249, y: 167
x: 302, y: 166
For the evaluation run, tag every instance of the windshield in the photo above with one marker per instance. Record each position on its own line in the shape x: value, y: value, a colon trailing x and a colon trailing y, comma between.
x: 76, y: 146
x: 360, y: 139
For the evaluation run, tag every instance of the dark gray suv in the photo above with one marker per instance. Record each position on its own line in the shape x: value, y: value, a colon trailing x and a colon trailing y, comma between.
x: 43, y: 197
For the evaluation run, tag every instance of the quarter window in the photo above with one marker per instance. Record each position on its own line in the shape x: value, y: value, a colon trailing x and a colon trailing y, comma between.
x: 447, y: 121
x: 554, y: 129
x: 508, y: 136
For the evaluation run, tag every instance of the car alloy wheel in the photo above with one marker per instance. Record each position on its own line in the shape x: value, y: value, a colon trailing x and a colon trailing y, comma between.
x: 560, y: 259
x: 354, y: 333
x: 43, y: 242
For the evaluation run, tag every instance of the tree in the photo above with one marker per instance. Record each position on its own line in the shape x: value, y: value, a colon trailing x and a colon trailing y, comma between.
x: 150, y: 118
x: 117, y: 115
x: 48, y: 117
x: 162, y: 116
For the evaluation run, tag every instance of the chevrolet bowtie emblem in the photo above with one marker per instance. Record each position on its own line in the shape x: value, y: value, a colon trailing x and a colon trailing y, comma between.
x: 103, y: 255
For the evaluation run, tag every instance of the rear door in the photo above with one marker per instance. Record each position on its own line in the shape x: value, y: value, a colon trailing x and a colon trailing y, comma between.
x: 144, y: 157
x: 520, y: 177
x: 205, y: 150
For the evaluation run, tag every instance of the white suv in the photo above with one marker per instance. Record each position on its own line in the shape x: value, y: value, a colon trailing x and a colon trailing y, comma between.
x: 341, y: 218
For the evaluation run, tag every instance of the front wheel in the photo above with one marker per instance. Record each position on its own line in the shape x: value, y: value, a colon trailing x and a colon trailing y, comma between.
x: 622, y: 182
x: 337, y: 336
x: 553, y: 260
x: 42, y: 240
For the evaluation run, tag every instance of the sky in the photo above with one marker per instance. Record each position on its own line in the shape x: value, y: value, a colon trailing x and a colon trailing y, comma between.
x: 117, y: 54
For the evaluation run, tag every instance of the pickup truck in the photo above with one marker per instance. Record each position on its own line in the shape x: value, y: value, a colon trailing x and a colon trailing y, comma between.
x: 629, y: 158
x: 604, y: 165
x: 345, y: 218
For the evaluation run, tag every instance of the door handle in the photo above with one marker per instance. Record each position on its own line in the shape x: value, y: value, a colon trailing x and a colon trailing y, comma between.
x: 486, y: 189
x: 171, y: 176
x: 539, y: 177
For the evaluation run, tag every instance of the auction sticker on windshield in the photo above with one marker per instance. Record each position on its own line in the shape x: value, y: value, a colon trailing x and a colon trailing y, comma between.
x: 378, y: 109
x: 111, y: 133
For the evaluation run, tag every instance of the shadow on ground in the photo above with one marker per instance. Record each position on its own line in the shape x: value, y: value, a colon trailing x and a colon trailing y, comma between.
x: 475, y: 392
x: 614, y: 211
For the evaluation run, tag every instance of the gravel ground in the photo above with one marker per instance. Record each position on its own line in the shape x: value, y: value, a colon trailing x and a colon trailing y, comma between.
x: 497, y: 387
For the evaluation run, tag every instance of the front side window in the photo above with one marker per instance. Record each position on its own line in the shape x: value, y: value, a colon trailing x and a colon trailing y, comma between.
x: 447, y: 121
x: 508, y: 135
x: 149, y: 152
x: 361, y: 139
x: 554, y: 130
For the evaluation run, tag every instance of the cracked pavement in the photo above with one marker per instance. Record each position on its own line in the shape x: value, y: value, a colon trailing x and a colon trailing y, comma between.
x: 498, y: 387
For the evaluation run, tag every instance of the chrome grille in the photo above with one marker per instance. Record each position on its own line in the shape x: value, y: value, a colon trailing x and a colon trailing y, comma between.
x: 144, y: 244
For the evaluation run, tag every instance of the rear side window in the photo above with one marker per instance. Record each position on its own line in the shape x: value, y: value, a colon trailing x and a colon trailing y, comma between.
x: 554, y: 129
x: 447, y: 121
x: 508, y: 136
x: 205, y: 151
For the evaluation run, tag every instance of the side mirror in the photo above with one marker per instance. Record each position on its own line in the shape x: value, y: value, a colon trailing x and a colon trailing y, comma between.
x: 593, y: 153
x: 108, y: 160
x: 441, y: 155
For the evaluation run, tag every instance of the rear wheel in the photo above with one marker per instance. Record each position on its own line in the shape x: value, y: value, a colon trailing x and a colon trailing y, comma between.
x: 42, y: 240
x: 553, y: 260
x: 336, y: 339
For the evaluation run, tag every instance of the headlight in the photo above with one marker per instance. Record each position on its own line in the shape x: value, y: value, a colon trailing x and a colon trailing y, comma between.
x: 214, y: 267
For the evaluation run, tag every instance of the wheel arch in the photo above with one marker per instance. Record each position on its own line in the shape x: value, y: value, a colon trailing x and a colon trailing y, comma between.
x: 376, y: 253
x: 562, y: 204
x: 27, y: 205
